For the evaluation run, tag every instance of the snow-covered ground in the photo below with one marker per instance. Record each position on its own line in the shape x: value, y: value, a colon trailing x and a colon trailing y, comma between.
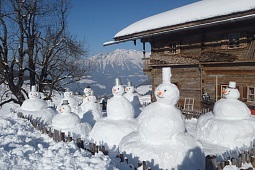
x: 23, y: 147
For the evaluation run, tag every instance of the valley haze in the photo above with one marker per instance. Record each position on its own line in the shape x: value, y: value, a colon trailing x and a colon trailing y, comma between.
x: 121, y: 63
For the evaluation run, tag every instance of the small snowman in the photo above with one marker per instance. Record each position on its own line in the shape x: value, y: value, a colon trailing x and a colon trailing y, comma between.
x: 133, y: 98
x: 34, y: 102
x: 91, y: 110
x: 87, y: 91
x: 67, y: 121
x: 230, y: 107
x: 68, y: 95
x: 230, y: 125
x: 161, y: 135
x: 37, y: 107
x: 118, y: 122
x: 119, y: 107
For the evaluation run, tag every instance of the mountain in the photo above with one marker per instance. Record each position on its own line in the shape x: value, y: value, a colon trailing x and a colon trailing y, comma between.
x: 125, y: 64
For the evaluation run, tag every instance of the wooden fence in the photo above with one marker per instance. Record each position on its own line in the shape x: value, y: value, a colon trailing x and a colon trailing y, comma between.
x: 247, y: 156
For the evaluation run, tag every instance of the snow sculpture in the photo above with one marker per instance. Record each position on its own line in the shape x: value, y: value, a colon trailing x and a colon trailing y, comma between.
x: 67, y: 121
x: 87, y: 91
x: 230, y: 124
x: 73, y: 103
x: 230, y: 107
x: 91, y: 110
x: 119, y: 121
x: 161, y: 135
x: 37, y: 107
x: 133, y: 98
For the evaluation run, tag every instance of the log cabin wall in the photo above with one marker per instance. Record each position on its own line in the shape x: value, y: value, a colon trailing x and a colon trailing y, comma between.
x: 206, y: 59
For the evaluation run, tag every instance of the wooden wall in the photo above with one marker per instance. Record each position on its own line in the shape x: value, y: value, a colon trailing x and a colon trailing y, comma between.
x: 194, y: 77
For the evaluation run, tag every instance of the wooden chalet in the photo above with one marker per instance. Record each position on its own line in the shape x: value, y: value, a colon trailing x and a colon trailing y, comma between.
x: 210, y: 44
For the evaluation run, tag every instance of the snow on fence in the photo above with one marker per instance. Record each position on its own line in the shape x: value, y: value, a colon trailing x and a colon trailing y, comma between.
x: 59, y: 136
x: 247, y: 156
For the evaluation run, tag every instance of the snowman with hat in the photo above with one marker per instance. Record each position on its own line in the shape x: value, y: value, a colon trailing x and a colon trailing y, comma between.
x: 37, y: 107
x: 73, y: 103
x: 118, y: 122
x: 230, y: 124
x: 161, y: 135
x: 133, y: 98
x: 67, y: 121
x: 230, y: 107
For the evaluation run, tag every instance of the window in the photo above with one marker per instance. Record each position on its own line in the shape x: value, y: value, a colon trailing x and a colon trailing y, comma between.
x: 250, y: 93
x: 173, y: 47
x: 189, y: 104
x: 234, y: 40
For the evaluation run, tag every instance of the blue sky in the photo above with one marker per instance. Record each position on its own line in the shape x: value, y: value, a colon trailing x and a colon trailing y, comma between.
x: 97, y: 21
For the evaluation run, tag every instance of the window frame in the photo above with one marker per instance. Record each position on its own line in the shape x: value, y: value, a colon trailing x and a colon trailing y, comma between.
x: 249, y: 94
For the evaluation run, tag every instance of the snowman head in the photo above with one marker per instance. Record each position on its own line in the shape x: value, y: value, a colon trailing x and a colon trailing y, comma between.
x: 65, y: 108
x: 34, y: 94
x: 118, y: 90
x: 231, y: 92
x: 68, y: 94
x: 167, y: 93
x: 129, y: 89
x: 87, y: 91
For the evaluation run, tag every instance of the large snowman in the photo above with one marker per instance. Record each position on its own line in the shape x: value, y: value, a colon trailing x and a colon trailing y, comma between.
x: 73, y: 103
x: 161, y: 135
x: 69, y: 122
x: 91, y: 110
x: 37, y: 107
x: 230, y: 124
x: 133, y: 98
x: 118, y: 122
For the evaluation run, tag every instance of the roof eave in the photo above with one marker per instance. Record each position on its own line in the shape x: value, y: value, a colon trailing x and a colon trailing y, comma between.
x: 182, y: 27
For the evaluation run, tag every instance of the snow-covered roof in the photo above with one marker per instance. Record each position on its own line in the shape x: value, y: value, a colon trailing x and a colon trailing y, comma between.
x: 200, y: 10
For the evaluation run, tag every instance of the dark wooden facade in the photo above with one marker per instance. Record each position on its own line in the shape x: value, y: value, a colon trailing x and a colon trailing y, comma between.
x: 205, y: 58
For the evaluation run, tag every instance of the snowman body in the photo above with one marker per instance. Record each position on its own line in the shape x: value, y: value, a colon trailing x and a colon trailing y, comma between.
x: 91, y: 111
x: 119, y: 107
x: 133, y: 99
x: 37, y: 108
x: 67, y: 121
x: 71, y: 101
x: 230, y: 107
x: 118, y: 123
x: 161, y: 133
x: 225, y: 125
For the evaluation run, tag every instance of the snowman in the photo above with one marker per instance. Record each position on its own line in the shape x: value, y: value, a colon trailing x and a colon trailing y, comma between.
x: 91, y: 110
x: 230, y: 125
x: 230, y: 107
x: 87, y: 92
x: 37, y: 107
x: 67, y: 121
x: 119, y: 107
x: 133, y: 98
x: 161, y: 133
x: 68, y: 95
x: 119, y: 121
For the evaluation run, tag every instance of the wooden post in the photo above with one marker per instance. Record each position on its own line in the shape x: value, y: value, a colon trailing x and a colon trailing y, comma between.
x: 144, y: 165
x: 239, y: 161
x: 62, y: 136
x: 69, y: 139
x: 233, y: 161
x: 210, y: 162
x: 126, y: 159
x: 121, y: 157
x: 253, y: 161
